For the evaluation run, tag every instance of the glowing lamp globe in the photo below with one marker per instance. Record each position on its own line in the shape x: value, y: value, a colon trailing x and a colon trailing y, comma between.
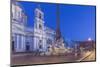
x: 89, y: 39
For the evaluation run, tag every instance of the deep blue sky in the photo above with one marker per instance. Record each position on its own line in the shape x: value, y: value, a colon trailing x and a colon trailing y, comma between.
x: 76, y: 22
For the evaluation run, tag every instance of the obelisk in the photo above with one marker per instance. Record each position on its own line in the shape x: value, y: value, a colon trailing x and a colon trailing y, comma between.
x: 58, y: 33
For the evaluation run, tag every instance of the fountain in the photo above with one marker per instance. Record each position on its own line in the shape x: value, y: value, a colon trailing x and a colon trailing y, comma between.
x: 57, y: 48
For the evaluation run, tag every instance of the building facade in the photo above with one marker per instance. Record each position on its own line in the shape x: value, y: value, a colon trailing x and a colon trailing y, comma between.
x: 25, y: 39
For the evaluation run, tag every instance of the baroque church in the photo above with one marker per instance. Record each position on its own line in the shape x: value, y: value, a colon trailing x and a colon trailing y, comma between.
x: 25, y: 39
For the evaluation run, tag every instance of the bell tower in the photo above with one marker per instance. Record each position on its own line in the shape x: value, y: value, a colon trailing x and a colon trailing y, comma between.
x: 39, y: 18
x: 39, y: 41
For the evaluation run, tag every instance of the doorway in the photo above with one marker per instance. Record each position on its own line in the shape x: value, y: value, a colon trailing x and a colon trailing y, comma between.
x: 27, y: 47
x: 13, y: 46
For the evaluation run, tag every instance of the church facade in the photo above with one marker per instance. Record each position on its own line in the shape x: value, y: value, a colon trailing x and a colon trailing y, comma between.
x: 25, y: 39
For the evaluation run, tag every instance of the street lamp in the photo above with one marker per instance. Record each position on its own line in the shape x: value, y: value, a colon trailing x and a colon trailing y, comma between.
x: 89, y: 39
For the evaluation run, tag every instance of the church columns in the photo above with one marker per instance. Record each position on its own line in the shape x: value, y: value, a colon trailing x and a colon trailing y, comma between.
x: 35, y: 43
x: 44, y: 44
x: 17, y: 42
x: 20, y: 43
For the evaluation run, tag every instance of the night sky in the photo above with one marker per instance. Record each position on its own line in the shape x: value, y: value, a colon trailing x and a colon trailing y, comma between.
x: 76, y: 22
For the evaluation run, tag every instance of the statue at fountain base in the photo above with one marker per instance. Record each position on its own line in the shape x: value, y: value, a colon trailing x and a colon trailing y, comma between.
x: 57, y: 48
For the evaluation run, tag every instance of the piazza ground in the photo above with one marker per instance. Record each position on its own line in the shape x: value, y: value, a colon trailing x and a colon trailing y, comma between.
x: 29, y: 58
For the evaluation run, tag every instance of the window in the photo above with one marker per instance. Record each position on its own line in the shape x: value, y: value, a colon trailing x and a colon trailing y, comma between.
x: 40, y: 16
x: 40, y: 26
x: 40, y: 44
